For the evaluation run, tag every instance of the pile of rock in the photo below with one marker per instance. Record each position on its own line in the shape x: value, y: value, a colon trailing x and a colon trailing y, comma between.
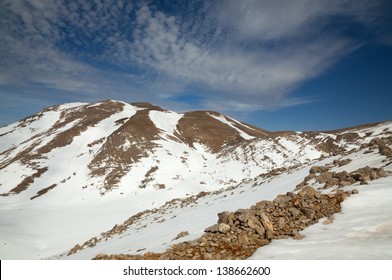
x: 120, y: 228
x: 322, y: 175
x: 380, y: 144
x: 238, y: 234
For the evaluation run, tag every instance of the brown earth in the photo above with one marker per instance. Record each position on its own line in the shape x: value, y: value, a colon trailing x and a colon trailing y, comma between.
x: 140, y: 132
x: 201, y: 127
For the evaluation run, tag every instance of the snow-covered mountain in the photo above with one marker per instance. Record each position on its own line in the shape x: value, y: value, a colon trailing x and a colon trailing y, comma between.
x: 114, y: 177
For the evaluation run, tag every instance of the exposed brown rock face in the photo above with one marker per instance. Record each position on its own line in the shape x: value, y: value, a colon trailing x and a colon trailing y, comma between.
x: 114, y: 154
x: 83, y: 118
x: 382, y: 144
x: 137, y: 134
x: 27, y: 181
x: 201, y: 127
x: 147, y: 105
x: 86, y: 117
x: 330, y: 146
x: 43, y: 191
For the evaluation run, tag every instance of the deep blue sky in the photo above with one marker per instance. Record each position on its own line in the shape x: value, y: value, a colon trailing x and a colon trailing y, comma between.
x: 277, y: 64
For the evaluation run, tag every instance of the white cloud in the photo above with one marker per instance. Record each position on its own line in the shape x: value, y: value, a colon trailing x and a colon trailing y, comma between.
x: 278, y: 19
x: 267, y: 73
x: 241, y: 55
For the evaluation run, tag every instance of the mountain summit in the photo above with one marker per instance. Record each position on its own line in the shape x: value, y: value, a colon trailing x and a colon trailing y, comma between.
x: 114, y: 145
x: 99, y: 164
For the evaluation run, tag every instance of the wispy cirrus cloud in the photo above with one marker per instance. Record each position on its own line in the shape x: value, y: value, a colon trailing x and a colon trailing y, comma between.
x: 236, y: 55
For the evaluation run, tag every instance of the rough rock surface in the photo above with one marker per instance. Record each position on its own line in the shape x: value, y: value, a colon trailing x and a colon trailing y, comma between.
x: 342, y: 179
x: 238, y: 234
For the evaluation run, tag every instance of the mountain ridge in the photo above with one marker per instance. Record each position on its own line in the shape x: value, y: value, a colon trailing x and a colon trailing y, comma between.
x: 132, y: 158
x: 136, y: 131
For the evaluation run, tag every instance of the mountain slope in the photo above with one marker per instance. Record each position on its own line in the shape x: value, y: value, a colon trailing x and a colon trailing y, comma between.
x: 75, y: 170
x: 361, y: 231
x: 95, y: 148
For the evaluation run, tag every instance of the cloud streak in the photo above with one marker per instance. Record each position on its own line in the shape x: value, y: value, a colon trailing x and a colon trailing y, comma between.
x: 234, y: 55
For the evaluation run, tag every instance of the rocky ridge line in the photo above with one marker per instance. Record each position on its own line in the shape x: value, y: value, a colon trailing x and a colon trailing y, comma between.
x: 177, y: 202
x: 251, y: 228
x: 237, y: 235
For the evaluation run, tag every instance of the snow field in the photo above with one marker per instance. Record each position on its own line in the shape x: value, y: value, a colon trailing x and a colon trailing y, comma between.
x: 363, y: 230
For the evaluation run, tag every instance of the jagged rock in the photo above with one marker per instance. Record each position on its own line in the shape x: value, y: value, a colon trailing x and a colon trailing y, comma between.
x: 304, y: 204
x: 310, y: 192
x: 342, y: 176
x: 308, y: 212
x: 212, y: 229
x: 365, y: 172
x: 76, y: 248
x: 266, y: 222
x: 263, y: 204
x: 282, y: 199
x: 181, y: 253
x: 357, y: 177
x: 226, y: 217
x: 269, y: 235
x: 344, y: 183
x: 317, y: 169
x: 348, y: 137
x: 351, y: 180
x: 375, y: 141
x: 310, y: 177
x: 331, y: 182
x: 201, y: 239
x: 255, y: 227
x: 299, y: 186
x: 181, y: 234
x: 341, y: 162
x: 207, y: 256
x: 243, y: 238
x: 291, y: 194
x: 194, y: 243
x: 386, y: 151
x: 281, y: 223
x: 373, y: 175
x: 210, y: 250
x: 324, y: 177
x: 223, y: 228
x: 100, y: 256
x: 255, y: 224
x: 294, y: 212
x: 242, y: 215
x: 382, y: 173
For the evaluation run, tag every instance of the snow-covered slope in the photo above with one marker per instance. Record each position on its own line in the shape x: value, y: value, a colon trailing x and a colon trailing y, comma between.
x: 363, y: 230
x: 74, y: 171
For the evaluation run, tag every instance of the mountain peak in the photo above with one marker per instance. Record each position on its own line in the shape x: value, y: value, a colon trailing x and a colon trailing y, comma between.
x: 147, y: 105
x: 117, y: 144
x: 110, y: 151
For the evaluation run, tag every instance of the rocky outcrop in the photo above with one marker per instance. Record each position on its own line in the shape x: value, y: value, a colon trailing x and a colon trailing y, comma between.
x: 381, y: 144
x: 341, y: 179
x: 237, y: 235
